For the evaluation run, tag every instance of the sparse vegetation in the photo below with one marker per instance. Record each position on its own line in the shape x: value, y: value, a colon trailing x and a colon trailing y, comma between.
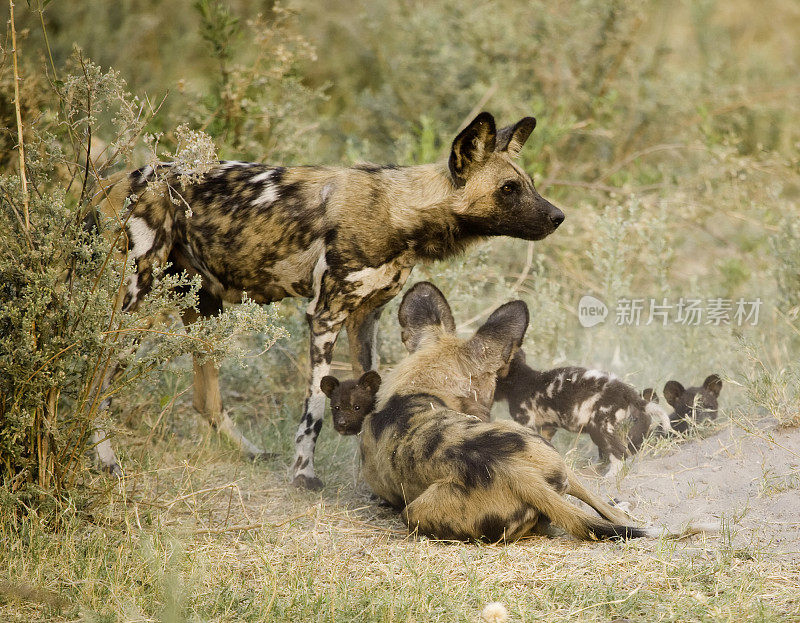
x: 666, y: 132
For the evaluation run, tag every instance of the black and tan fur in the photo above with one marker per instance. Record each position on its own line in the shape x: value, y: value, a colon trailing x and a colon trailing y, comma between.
x: 693, y: 405
x: 346, y: 238
x: 611, y: 412
x: 451, y: 475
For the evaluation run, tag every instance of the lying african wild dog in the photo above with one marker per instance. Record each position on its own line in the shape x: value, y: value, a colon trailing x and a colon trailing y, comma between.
x: 580, y: 400
x: 453, y: 476
x: 344, y: 237
x: 694, y: 404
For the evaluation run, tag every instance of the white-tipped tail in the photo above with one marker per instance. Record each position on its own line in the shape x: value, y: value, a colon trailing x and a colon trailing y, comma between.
x: 654, y: 410
x: 691, y: 529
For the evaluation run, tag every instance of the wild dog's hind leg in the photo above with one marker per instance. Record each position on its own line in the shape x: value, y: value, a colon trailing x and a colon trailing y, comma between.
x: 104, y: 451
x: 576, y: 488
x: 546, y: 431
x: 323, y: 338
x: 207, y: 397
x: 608, y: 445
x: 448, y: 511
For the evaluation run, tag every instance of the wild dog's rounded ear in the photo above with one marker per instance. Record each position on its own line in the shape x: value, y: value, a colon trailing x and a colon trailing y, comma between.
x: 650, y: 395
x: 423, y: 306
x: 471, y: 147
x: 713, y: 384
x: 503, y: 331
x: 328, y: 385
x: 512, y: 137
x: 370, y: 380
x: 672, y: 391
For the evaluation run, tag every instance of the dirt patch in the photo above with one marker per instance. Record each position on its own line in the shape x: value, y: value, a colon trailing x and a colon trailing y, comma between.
x: 748, y: 479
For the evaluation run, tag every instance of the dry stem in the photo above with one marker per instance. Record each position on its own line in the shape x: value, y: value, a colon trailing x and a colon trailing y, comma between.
x: 21, y: 146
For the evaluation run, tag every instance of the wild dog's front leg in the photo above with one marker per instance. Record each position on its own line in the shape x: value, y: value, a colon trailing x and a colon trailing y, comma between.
x: 362, y: 334
x: 470, y: 406
x: 323, y: 338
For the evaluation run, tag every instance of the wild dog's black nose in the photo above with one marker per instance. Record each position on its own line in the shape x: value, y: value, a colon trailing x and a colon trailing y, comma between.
x: 556, y: 217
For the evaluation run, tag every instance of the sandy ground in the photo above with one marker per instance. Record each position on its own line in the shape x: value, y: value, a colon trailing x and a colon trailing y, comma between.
x: 748, y: 479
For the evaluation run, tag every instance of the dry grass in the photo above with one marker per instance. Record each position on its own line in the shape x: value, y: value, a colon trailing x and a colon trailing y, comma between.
x: 193, y: 533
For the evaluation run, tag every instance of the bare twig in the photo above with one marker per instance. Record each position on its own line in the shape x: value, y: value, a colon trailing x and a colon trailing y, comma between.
x: 522, y: 277
x: 636, y: 155
x: 21, y: 147
x: 255, y: 526
x: 163, y: 411
x: 604, y: 187
x: 88, y: 132
x: 479, y: 106
x: 47, y: 40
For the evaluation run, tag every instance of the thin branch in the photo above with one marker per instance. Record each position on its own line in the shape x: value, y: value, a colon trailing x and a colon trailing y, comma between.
x: 47, y: 41
x: 88, y: 131
x: 479, y: 106
x: 604, y: 187
x: 21, y: 146
x: 636, y: 155
x: 522, y: 277
x: 145, y: 330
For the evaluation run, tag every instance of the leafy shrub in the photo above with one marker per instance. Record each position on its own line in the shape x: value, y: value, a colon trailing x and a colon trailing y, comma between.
x: 59, y: 331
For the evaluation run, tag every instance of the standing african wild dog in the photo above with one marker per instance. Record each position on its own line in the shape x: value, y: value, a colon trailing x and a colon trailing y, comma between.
x: 453, y: 476
x: 346, y: 238
x: 579, y: 400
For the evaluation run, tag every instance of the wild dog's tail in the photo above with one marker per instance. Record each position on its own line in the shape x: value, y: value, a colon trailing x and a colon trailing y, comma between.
x: 579, y: 523
x: 655, y: 410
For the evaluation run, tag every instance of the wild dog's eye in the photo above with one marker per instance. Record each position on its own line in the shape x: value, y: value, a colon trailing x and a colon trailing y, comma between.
x: 336, y: 408
x: 508, y: 188
x: 356, y: 408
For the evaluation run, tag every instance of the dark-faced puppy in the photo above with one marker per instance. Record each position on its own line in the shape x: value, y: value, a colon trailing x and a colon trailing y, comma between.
x: 613, y: 413
x: 694, y: 404
x: 351, y: 400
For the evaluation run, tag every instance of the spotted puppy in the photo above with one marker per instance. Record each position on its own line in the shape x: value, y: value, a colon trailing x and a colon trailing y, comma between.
x: 345, y: 238
x: 580, y: 400
x: 694, y: 404
x: 452, y: 476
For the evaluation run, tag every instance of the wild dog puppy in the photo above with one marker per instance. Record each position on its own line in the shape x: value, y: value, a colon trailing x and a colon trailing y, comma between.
x: 455, y: 477
x: 351, y: 400
x: 346, y: 238
x: 694, y: 404
x: 580, y: 400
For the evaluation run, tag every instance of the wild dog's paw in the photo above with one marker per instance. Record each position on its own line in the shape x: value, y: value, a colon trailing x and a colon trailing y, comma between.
x: 262, y: 455
x: 312, y: 483
x: 112, y: 469
x: 625, y: 507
